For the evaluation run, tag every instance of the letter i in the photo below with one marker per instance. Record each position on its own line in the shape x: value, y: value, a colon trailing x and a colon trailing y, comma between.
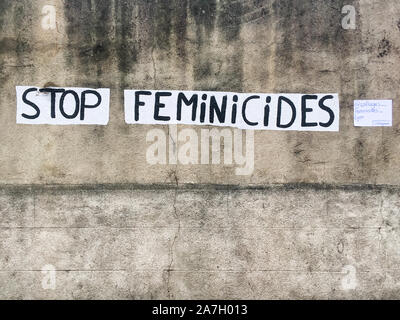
x: 203, y: 109
x: 234, y: 109
x: 266, y: 112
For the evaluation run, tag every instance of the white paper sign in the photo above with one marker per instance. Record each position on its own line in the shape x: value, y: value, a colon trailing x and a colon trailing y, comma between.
x: 302, y: 112
x: 62, y: 106
x: 373, y: 113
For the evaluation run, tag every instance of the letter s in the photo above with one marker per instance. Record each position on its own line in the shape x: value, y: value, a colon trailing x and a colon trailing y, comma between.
x: 30, y: 103
x: 327, y: 109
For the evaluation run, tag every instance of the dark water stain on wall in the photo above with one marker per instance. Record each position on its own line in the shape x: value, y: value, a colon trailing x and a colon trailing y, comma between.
x: 5, y: 43
x: 363, y: 158
x: 153, y: 26
x: 180, y: 26
x: 169, y: 19
x: 16, y: 50
x: 22, y: 19
x: 126, y: 42
x: 20, y: 45
x: 256, y: 11
x: 307, y: 28
x: 309, y: 25
x: 4, y: 7
x: 224, y: 71
x: 229, y: 19
x: 163, y: 12
x: 204, y: 13
x: 88, y: 30
x: 312, y: 27
x: 229, y: 25
x: 384, y: 48
x: 91, y: 49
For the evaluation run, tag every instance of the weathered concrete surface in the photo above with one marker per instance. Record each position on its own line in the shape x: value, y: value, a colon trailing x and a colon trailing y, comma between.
x: 138, y: 231
x: 248, y: 46
x: 190, y: 242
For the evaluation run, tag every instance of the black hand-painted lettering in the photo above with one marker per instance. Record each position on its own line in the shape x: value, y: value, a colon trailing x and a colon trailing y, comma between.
x: 182, y: 99
x: 77, y: 104
x: 305, y: 110
x: 244, y: 111
x: 158, y: 105
x: 139, y: 103
x: 279, y: 117
x: 203, y: 107
x: 53, y: 93
x: 216, y: 110
x: 267, y: 112
x: 30, y: 103
x: 234, y: 109
x: 83, y: 102
x: 327, y: 109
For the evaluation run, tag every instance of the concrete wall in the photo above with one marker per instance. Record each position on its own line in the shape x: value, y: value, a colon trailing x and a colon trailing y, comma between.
x: 318, y: 216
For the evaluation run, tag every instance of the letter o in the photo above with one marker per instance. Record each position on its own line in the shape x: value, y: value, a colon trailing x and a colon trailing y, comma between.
x: 77, y: 105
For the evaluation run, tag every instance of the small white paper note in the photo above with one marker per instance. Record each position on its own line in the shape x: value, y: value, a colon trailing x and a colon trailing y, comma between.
x: 373, y: 113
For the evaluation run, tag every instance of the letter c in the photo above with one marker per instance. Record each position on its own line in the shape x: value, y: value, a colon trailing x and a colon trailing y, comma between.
x: 244, y: 111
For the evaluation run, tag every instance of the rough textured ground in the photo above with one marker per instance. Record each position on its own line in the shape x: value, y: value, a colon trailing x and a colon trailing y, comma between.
x: 84, y: 199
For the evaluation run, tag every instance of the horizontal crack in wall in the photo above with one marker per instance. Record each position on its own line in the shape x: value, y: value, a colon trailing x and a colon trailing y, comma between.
x: 188, y: 186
